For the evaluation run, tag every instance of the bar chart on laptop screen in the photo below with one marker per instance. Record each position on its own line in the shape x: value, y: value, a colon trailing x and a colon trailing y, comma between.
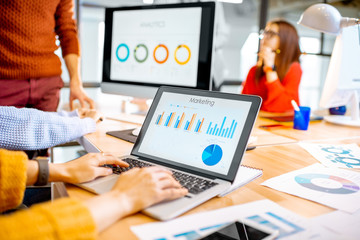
x: 195, y: 123
x: 197, y: 131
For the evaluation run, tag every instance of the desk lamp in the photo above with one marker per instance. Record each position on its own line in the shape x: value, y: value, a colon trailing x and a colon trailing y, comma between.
x: 325, y: 18
x: 342, y: 83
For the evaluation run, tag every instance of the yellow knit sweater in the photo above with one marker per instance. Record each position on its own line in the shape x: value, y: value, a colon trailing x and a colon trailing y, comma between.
x: 61, y: 219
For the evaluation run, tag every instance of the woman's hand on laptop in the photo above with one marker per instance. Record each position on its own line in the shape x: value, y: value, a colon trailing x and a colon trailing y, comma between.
x: 135, y: 190
x: 141, y: 188
x: 84, y: 169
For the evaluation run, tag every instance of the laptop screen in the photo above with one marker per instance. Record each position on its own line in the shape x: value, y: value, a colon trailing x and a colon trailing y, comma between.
x: 198, y: 132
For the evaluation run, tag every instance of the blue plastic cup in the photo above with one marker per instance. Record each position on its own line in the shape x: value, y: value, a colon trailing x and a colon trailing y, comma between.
x: 302, y: 118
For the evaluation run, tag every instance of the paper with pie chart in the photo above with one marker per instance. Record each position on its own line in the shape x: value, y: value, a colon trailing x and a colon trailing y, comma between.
x: 333, y: 187
x: 335, y: 155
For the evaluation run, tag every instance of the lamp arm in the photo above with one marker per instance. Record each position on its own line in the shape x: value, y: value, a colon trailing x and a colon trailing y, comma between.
x: 347, y: 22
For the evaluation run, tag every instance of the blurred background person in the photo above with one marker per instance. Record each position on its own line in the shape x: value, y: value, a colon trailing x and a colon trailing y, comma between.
x: 30, y: 71
x: 277, y: 74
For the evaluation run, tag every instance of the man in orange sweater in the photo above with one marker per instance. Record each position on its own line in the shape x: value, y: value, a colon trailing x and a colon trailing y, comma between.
x: 30, y: 72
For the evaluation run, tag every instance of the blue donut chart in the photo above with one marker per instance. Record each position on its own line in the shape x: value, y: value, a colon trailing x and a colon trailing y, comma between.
x: 347, y: 187
x: 127, y: 55
x: 349, y: 161
x: 335, y: 150
x: 212, y: 155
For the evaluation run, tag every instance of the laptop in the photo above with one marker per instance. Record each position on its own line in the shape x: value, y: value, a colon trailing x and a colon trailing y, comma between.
x: 199, y: 135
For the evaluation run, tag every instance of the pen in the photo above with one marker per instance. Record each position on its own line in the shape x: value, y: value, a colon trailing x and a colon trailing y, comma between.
x: 295, y: 106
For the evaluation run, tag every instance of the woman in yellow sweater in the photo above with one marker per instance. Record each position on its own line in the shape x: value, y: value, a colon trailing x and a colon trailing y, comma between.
x: 72, y: 219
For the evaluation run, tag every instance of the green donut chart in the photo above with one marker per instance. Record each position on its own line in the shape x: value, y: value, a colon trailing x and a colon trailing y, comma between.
x: 146, y: 55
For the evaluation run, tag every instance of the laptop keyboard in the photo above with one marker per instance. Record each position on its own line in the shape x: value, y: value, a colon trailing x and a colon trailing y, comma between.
x: 192, y: 183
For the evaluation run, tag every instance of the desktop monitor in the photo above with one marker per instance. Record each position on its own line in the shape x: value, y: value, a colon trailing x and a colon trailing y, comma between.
x: 342, y: 84
x: 149, y: 46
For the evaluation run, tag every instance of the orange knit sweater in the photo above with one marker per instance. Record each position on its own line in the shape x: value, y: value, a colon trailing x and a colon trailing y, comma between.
x: 28, y: 37
x: 62, y: 219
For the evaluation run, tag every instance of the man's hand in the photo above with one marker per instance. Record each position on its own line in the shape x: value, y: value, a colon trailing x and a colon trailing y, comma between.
x: 95, y: 115
x: 77, y: 93
x: 84, y: 169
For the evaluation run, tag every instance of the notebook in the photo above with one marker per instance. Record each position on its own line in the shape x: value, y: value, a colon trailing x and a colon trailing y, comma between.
x: 199, y: 135
x: 244, y: 176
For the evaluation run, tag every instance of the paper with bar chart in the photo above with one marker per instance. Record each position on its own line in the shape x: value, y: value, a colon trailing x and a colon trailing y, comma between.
x: 263, y: 212
x: 196, y: 131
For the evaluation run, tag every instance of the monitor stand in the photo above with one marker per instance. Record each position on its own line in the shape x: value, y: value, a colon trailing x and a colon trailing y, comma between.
x: 129, y: 135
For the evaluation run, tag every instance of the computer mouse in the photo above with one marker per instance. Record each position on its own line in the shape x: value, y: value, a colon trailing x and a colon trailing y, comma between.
x: 136, y: 131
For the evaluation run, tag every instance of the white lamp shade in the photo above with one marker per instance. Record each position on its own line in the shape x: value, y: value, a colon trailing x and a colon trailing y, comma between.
x: 322, y: 17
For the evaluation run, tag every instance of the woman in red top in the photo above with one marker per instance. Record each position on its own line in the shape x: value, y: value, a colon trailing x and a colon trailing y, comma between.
x: 276, y: 76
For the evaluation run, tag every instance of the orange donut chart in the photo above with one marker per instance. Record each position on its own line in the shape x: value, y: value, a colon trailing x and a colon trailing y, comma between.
x: 167, y: 53
x: 188, y: 59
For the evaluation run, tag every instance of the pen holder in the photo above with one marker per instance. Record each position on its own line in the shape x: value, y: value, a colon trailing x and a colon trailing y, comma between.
x: 302, y: 118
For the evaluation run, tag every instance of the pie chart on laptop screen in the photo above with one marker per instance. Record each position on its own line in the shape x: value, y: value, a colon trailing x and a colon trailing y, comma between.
x: 212, y: 155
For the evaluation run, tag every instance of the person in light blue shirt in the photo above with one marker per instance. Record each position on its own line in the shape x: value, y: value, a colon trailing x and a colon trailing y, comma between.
x: 32, y: 129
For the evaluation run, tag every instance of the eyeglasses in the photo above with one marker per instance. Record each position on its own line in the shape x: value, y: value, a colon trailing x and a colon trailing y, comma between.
x: 267, y: 34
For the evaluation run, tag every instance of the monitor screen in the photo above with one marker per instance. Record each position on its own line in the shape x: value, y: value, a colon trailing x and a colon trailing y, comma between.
x: 150, y: 46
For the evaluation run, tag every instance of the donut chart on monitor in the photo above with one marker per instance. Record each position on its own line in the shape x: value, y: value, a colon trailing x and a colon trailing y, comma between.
x: 189, y: 54
x: 146, y: 54
x: 167, y: 53
x: 117, y: 52
x: 148, y: 46
x: 307, y: 180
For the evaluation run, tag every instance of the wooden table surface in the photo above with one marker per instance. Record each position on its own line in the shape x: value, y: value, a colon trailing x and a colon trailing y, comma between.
x: 277, y: 153
x: 318, y: 130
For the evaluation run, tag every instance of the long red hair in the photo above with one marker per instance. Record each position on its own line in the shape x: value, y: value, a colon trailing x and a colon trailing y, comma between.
x: 289, y: 49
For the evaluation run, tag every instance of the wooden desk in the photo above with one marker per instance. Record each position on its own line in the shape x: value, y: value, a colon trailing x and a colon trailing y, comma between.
x: 318, y: 130
x: 267, y: 137
x: 273, y: 159
x: 106, y: 143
